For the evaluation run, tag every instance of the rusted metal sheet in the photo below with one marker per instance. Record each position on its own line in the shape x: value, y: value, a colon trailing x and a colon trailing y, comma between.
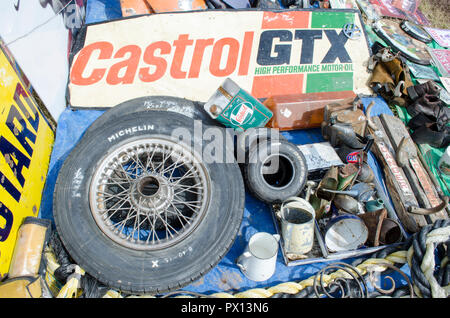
x: 26, y: 140
x: 134, y: 7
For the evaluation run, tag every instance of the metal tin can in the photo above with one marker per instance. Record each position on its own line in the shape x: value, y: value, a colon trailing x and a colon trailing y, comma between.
x: 297, y: 225
x: 235, y: 108
x: 345, y: 232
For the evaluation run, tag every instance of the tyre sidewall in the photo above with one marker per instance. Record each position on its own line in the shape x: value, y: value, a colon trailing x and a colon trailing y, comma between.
x: 254, y: 178
x: 153, y: 103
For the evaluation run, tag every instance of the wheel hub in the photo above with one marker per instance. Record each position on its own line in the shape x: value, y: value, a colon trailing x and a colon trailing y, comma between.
x: 151, y: 194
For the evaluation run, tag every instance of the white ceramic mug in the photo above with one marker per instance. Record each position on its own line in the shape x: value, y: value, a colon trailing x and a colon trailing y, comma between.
x: 258, y: 262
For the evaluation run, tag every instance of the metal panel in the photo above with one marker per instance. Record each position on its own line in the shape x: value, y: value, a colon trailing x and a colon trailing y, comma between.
x: 26, y: 140
x: 189, y: 54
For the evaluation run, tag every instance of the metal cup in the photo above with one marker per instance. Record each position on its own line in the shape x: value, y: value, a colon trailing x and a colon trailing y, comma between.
x: 297, y: 225
x: 258, y: 261
x: 390, y: 232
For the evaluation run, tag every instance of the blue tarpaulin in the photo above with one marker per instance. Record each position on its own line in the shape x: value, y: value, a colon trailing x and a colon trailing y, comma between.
x: 226, y: 276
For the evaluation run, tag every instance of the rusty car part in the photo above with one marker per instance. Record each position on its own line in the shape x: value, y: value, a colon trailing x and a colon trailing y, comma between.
x: 374, y: 221
x: 425, y: 182
x: 370, y: 123
x: 346, y: 203
x: 390, y: 232
x: 402, y: 155
x: 396, y: 181
x: 365, y: 174
x: 134, y: 7
x: 361, y: 191
x: 423, y: 211
x: 348, y: 171
x: 407, y: 158
x: 343, y: 134
x: 345, y: 114
x: 329, y: 181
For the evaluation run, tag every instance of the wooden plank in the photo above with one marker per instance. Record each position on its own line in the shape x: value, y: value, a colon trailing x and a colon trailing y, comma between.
x: 397, y: 183
x: 418, y: 178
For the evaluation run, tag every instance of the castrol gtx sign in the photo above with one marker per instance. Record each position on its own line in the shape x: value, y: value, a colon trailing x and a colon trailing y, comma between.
x: 189, y: 55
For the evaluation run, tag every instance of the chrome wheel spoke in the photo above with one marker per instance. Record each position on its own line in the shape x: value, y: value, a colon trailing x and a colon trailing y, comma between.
x: 149, y: 194
x: 179, y: 214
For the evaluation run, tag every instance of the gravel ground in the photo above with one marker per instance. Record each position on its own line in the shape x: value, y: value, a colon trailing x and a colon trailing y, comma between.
x: 437, y: 11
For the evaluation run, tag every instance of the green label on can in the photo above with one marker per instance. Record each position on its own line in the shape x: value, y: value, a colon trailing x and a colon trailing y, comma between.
x: 244, y: 111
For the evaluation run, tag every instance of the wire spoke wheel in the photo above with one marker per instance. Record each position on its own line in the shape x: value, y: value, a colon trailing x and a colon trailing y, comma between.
x: 149, y: 194
x: 143, y: 210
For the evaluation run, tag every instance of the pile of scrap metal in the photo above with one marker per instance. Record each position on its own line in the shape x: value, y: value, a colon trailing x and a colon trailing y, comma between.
x: 351, y: 208
x: 417, y: 196
x: 403, y: 76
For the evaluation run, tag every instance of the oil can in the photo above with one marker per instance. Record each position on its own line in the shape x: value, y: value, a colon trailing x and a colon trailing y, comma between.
x: 234, y: 107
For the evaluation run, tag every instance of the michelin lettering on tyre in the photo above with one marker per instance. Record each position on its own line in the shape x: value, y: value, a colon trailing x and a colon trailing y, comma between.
x: 130, y: 131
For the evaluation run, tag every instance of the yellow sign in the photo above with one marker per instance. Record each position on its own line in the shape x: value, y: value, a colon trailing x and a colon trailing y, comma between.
x: 26, y: 141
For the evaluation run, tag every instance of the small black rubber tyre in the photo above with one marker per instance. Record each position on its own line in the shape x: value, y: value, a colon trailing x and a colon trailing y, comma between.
x: 287, y: 181
x: 131, y: 264
x: 248, y: 139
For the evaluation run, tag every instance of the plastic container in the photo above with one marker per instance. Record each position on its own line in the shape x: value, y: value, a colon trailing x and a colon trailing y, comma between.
x: 29, y: 246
